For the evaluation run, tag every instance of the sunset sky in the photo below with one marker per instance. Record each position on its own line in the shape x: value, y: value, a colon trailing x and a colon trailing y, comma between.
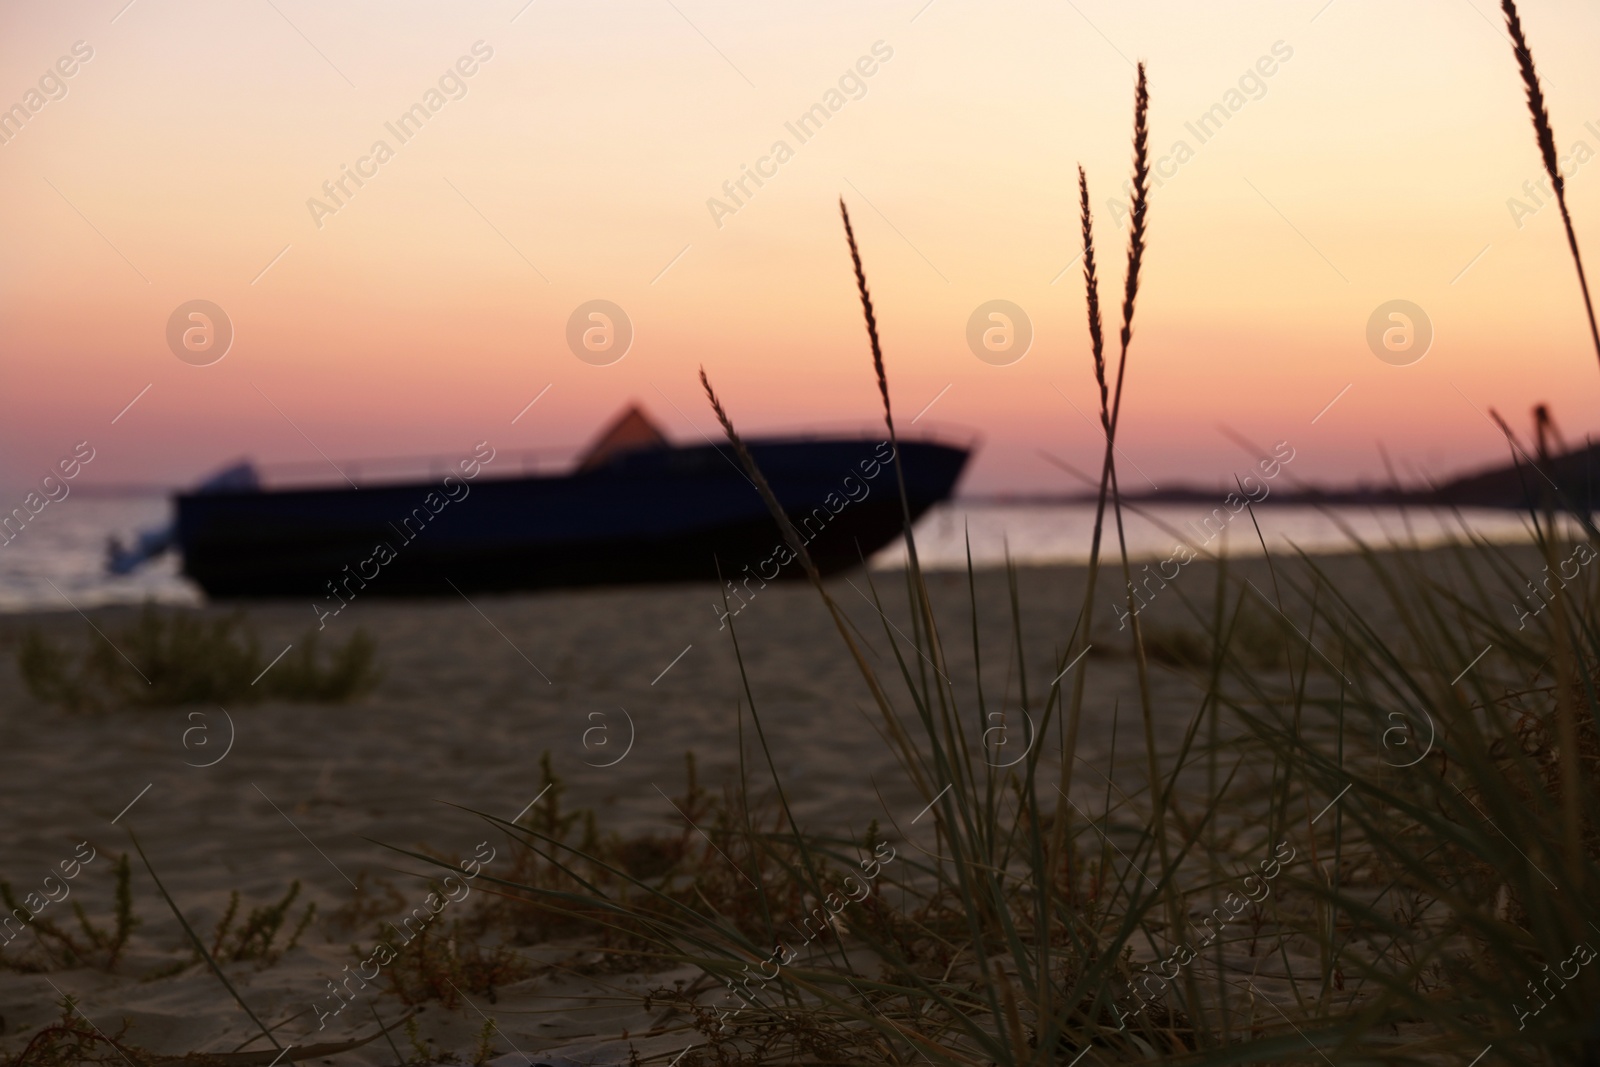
x: 422, y: 312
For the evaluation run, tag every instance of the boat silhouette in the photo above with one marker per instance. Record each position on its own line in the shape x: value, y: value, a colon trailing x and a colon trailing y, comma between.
x: 634, y: 509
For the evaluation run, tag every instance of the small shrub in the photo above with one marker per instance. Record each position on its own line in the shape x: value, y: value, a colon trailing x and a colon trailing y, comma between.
x: 434, y: 967
x: 73, y: 1041
x: 187, y: 659
x: 91, y: 945
x: 420, y: 1052
x: 485, y: 1049
x: 255, y: 939
x: 170, y: 658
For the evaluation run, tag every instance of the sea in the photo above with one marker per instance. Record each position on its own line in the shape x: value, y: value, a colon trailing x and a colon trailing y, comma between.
x: 58, y: 561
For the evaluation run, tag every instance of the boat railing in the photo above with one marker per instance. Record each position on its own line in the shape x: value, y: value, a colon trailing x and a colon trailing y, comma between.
x: 363, y: 471
x: 930, y: 431
x: 510, y: 463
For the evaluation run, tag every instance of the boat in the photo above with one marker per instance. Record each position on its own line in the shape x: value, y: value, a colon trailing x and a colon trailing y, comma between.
x: 635, y: 508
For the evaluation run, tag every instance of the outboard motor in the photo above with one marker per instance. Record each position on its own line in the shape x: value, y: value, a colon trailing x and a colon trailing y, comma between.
x: 241, y: 477
x: 146, y: 546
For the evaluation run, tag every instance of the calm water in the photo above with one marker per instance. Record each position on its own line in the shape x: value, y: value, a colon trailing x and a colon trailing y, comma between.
x: 1061, y: 533
x: 60, y: 555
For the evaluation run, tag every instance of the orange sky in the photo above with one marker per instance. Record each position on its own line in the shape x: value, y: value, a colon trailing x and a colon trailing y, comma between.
x: 1375, y: 162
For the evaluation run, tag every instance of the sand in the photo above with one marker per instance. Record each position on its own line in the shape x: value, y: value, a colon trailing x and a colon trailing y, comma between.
x: 471, y: 695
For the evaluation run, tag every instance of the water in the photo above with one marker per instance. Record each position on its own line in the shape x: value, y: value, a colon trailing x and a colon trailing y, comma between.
x: 58, y: 560
x: 59, y: 557
x: 1062, y: 533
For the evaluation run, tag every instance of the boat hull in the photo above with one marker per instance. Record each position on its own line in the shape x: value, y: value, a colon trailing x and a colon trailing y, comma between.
x: 657, y: 515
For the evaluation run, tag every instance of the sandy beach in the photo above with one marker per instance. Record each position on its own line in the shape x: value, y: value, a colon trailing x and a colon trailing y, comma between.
x: 471, y: 695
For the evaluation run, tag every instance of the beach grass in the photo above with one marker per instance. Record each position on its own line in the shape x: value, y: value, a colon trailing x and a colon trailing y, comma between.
x: 1367, y: 844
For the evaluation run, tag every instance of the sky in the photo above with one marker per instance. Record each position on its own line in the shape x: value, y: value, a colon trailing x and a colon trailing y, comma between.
x: 1360, y: 152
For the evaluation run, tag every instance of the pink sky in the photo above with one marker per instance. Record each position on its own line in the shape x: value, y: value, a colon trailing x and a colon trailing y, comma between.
x: 1375, y: 162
